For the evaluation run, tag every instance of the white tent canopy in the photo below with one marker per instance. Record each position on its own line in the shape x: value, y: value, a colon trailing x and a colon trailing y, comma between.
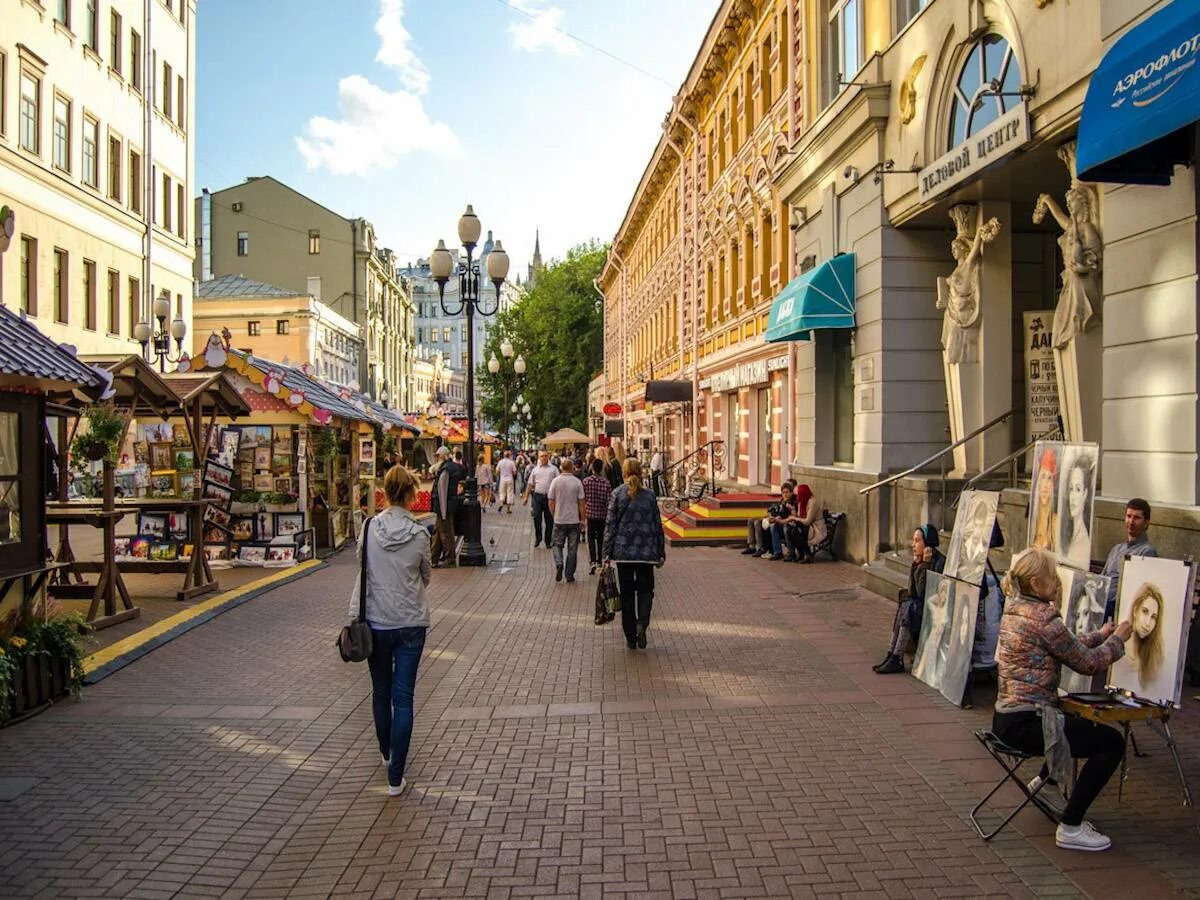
x: 565, y: 437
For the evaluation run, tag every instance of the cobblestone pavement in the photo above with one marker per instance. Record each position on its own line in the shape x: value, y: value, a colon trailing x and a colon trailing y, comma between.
x: 749, y: 751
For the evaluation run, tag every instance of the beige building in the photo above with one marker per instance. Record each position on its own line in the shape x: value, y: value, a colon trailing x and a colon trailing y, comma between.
x: 97, y: 160
x: 264, y: 230
x: 279, y: 324
x: 436, y: 386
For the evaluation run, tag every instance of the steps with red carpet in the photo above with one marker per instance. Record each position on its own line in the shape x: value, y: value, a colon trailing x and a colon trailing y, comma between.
x: 716, y: 521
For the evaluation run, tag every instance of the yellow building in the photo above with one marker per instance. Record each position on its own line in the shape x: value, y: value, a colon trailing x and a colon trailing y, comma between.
x: 702, y: 251
x: 277, y: 323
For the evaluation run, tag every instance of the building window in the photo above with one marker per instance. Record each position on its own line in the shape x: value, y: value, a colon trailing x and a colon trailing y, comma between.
x: 89, y: 295
x: 116, y: 27
x: 977, y: 102
x: 464, y: 359
x: 166, y: 201
x: 135, y: 60
x: 179, y: 107
x: 168, y: 86
x: 61, y: 274
x: 135, y: 305
x: 180, y: 206
x: 29, y: 274
x: 843, y: 45
x: 63, y: 13
x: 114, y: 168
x: 3, y: 94
x: 62, y: 133
x: 91, y: 156
x: 253, y: 328
x: 281, y: 326
x: 446, y: 334
x: 114, y: 302
x: 314, y: 242
x: 243, y: 243
x: 91, y: 25
x: 135, y: 181
x: 31, y: 112
x: 906, y: 10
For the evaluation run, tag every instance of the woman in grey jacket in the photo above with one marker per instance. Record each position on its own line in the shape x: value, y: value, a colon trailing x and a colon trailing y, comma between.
x: 398, y: 571
x: 634, y: 540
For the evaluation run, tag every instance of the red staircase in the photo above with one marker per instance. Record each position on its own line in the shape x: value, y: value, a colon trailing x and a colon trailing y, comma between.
x: 718, y: 521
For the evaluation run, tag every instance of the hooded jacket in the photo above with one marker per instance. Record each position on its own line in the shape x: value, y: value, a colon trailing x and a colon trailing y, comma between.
x: 398, y: 571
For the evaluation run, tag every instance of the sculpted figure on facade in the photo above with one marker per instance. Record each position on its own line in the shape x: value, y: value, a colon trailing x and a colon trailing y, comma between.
x: 1082, y: 252
x: 958, y: 293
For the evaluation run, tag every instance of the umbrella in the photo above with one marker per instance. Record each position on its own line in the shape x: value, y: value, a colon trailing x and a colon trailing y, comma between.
x: 564, y: 437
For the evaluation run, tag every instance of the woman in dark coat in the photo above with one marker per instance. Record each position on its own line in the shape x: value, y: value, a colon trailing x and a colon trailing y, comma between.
x: 634, y: 540
x: 907, y: 625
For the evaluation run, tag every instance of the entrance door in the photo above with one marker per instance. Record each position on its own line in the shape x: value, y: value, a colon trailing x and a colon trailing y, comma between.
x: 764, y: 435
x: 731, y: 434
x: 843, y: 397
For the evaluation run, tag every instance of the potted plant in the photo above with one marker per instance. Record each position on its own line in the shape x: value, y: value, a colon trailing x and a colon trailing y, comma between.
x: 102, y: 440
x: 279, y: 501
x: 325, y: 443
x: 245, y: 502
x: 42, y: 664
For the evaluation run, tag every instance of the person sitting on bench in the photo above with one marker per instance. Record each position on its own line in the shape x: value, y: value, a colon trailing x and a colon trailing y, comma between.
x: 1033, y: 643
x: 805, y: 526
x: 762, y: 537
x: 926, y: 557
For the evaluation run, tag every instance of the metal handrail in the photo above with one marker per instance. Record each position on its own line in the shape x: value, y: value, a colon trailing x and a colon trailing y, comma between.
x: 712, y: 475
x: 1054, y: 434
x: 950, y: 449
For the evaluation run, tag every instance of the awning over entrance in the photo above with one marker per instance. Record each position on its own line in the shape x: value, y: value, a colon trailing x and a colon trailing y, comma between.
x: 823, y: 297
x: 1142, y: 99
x: 668, y: 391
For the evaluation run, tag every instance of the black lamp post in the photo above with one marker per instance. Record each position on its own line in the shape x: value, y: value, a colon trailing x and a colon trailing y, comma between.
x: 442, y: 268
x: 160, y: 336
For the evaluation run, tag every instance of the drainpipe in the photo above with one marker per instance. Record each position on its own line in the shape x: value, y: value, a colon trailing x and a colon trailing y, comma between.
x: 149, y: 89
x: 677, y: 115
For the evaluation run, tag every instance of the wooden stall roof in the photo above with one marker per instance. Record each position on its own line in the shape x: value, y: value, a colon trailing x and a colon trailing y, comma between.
x: 137, y: 386
x: 217, y: 393
x: 31, y: 361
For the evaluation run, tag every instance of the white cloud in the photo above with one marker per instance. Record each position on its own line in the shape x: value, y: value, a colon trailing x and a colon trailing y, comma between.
x: 377, y: 126
x: 540, y: 31
x: 395, y: 48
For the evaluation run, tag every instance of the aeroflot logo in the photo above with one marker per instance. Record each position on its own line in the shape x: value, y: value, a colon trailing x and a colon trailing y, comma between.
x: 1143, y: 84
x: 785, y: 308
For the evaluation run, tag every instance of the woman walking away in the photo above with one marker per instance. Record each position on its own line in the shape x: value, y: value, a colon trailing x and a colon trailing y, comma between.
x: 926, y: 558
x: 396, y: 549
x: 616, y: 463
x: 1033, y: 643
x: 483, y: 477
x: 633, y: 539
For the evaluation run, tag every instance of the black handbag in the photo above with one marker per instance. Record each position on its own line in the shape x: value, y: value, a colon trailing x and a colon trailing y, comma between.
x: 355, y: 641
x: 606, y: 591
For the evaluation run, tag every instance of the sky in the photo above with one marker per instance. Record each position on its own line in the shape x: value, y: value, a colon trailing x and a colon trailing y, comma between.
x: 404, y: 111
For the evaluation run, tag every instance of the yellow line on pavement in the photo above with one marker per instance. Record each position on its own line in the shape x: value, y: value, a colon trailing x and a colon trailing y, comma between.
x: 146, y: 635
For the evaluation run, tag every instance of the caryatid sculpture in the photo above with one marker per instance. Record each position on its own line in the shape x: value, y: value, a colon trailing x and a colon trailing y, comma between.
x: 958, y: 293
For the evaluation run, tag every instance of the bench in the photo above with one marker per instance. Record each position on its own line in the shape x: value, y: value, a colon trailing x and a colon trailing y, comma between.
x: 833, y: 522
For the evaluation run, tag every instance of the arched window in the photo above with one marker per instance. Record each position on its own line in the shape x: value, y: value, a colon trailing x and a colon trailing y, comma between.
x: 987, y: 88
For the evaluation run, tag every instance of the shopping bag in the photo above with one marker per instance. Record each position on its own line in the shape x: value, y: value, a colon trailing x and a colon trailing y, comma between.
x: 612, y: 594
x: 603, y: 614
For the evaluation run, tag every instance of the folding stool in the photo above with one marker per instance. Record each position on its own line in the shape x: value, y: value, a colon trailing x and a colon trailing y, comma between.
x: 1010, y: 760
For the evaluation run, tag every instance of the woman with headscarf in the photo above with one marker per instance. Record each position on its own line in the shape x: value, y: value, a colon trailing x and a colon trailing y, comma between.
x: 806, y: 526
x: 925, y: 558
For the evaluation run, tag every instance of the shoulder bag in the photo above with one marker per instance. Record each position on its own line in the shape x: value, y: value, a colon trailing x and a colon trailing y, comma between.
x: 355, y: 641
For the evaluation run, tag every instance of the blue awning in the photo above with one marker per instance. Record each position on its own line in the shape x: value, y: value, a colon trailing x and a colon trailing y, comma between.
x: 823, y: 297
x: 1142, y: 99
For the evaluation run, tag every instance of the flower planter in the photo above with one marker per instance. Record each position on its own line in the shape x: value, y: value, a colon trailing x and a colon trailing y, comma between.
x: 40, y: 679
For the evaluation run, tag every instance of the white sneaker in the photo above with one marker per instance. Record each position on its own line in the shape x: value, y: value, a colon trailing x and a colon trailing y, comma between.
x: 1081, y: 837
x: 1050, y: 794
x: 395, y: 790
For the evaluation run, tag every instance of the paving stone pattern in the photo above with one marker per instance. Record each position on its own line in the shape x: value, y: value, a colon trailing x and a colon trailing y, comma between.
x: 748, y: 752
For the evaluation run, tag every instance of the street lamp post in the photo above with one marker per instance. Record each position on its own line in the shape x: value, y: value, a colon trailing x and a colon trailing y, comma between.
x: 161, y: 337
x: 518, y: 369
x: 442, y: 267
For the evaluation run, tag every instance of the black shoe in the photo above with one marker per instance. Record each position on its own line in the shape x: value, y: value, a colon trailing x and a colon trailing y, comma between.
x: 558, y: 573
x: 631, y: 644
x: 775, y: 557
x: 641, y: 636
x: 571, y: 580
x: 891, y: 666
x: 749, y: 551
x: 883, y: 662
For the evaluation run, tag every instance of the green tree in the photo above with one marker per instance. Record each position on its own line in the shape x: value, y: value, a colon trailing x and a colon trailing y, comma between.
x: 559, y: 327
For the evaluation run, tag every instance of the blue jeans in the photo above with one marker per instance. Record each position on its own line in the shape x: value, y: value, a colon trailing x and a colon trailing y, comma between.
x: 394, y: 658
x: 569, y: 535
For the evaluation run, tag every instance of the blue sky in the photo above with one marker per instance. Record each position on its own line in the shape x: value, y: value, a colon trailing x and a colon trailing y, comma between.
x: 403, y: 111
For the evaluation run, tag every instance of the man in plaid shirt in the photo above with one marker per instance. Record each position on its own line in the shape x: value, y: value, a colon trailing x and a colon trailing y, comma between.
x: 595, y: 494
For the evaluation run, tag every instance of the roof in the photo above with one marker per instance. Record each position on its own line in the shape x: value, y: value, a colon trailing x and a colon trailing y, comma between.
x: 240, y: 286
x: 217, y: 394
x: 29, y: 359
x: 137, y: 386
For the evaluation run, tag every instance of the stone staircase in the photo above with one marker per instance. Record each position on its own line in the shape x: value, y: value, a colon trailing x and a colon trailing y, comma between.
x: 888, y: 573
x: 718, y: 521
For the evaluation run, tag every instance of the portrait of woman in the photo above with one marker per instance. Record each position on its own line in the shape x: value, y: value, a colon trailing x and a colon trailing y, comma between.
x: 1075, y: 517
x: 1146, y: 645
x: 1082, y: 608
x: 930, y: 659
x: 1043, y: 505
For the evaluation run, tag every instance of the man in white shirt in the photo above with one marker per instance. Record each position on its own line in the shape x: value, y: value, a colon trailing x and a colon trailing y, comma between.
x: 567, y: 508
x: 541, y: 477
x: 656, y: 471
x: 507, y: 470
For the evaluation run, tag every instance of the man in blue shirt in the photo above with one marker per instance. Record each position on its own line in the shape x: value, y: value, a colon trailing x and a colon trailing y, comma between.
x: 1137, y: 521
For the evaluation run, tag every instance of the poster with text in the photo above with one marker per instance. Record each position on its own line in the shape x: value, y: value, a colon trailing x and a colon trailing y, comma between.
x: 1155, y: 596
x: 1041, y: 380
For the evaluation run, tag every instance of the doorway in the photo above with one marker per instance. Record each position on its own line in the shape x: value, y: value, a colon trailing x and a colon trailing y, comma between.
x: 731, y: 434
x: 764, y: 435
x: 843, y: 396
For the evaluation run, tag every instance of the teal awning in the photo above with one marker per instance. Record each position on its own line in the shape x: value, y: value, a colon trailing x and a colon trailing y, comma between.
x: 823, y: 297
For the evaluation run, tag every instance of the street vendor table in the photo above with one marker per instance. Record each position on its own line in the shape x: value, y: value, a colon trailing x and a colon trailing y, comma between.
x: 109, y: 586
x: 198, y: 577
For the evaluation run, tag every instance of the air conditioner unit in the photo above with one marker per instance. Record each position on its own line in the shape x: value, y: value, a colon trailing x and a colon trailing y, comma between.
x: 237, y: 206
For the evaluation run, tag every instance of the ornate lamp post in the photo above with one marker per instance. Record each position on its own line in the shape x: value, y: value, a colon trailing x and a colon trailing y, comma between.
x: 518, y: 369
x: 161, y: 337
x: 442, y: 267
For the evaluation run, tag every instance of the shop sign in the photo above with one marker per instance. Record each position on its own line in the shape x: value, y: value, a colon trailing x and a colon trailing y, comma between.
x: 612, y: 409
x: 976, y: 153
x: 739, y: 376
x: 777, y: 363
x: 1041, y: 380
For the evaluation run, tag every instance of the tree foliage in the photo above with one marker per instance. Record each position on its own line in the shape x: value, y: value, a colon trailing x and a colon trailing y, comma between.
x: 558, y: 326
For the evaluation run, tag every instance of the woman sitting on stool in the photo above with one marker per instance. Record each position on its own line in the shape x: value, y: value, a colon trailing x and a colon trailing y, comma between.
x: 1033, y: 643
x: 907, y: 624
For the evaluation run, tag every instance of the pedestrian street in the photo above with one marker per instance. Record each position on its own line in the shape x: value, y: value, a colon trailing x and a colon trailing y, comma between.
x: 749, y: 750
